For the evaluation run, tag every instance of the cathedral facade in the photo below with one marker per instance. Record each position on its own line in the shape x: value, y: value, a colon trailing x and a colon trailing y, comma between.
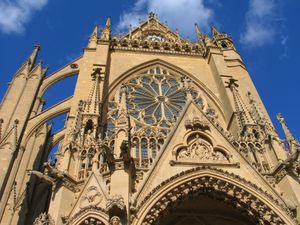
x: 159, y: 130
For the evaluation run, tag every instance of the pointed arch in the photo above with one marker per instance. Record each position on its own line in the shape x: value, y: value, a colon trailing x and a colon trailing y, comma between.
x: 98, y: 214
x: 256, y: 204
x: 159, y: 62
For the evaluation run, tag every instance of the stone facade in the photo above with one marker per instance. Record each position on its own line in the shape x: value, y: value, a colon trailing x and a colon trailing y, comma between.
x: 160, y: 130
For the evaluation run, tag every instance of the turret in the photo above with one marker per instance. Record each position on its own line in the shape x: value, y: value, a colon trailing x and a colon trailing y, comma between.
x: 222, y: 40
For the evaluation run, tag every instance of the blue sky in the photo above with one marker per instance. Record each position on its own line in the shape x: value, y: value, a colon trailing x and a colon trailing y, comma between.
x: 266, y: 33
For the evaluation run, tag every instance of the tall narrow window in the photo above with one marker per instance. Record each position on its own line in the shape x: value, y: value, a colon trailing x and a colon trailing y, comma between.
x: 153, y: 148
x: 144, y: 148
x: 136, y: 145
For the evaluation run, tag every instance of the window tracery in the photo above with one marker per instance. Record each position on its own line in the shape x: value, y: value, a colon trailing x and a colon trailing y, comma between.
x: 86, y: 162
x: 155, y: 100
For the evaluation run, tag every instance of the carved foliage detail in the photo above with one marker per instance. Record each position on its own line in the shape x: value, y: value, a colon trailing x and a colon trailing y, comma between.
x: 115, y: 201
x: 43, y: 219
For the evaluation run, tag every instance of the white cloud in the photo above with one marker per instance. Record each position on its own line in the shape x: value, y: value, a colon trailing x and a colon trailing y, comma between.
x: 15, y: 14
x: 181, y: 14
x: 260, y: 23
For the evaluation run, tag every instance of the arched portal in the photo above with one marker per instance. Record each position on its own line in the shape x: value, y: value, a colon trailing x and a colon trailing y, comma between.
x: 209, y: 196
x: 204, y: 208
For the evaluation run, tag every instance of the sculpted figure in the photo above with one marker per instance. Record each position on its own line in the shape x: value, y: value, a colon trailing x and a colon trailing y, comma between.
x: 115, y: 221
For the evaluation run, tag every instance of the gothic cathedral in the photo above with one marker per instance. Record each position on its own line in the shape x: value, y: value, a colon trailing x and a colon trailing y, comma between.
x: 159, y: 131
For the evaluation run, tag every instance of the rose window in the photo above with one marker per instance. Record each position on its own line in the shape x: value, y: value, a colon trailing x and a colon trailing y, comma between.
x: 156, y: 99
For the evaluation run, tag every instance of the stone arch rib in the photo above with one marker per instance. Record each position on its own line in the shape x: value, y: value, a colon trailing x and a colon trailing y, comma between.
x: 257, y: 204
x: 56, y: 110
x: 94, y: 212
x: 59, y: 75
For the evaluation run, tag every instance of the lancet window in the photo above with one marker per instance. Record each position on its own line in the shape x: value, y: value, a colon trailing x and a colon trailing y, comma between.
x: 86, y: 162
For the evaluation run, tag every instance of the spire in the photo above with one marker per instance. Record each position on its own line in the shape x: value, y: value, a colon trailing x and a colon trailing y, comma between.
x: 215, y: 32
x: 107, y: 24
x: 240, y: 107
x: 292, y: 143
x: 200, y: 35
x: 32, y: 58
x: 93, y: 38
x: 255, y: 111
x: 93, y: 102
x: 201, y: 38
x: 106, y: 31
x: 288, y: 135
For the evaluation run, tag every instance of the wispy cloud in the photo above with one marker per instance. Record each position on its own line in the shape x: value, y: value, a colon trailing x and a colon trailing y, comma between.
x: 14, y: 15
x: 181, y: 14
x: 260, y: 23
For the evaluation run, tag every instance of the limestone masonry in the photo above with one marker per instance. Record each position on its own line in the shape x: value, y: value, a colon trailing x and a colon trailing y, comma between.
x: 159, y: 130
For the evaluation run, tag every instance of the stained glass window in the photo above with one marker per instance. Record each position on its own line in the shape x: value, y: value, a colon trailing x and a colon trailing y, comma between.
x: 156, y: 98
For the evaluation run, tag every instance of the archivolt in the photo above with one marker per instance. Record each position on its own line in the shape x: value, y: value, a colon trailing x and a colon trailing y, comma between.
x: 232, y: 189
x: 171, y: 67
x: 86, y: 213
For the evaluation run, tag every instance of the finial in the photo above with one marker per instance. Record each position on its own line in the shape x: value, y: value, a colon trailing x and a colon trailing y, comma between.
x: 151, y: 15
x: 106, y: 31
x: 95, y: 32
x: 107, y: 24
x: 198, y: 32
x: 32, y: 58
x: 93, y: 38
x: 177, y: 34
x: 130, y: 29
x: 289, y: 136
x: 214, y: 31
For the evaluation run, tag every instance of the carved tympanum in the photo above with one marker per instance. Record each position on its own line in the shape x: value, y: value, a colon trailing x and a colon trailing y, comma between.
x: 200, y: 150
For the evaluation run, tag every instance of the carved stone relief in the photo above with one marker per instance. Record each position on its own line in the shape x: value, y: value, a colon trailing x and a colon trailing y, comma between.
x: 200, y: 150
x: 91, y: 197
x: 43, y: 219
x: 115, y: 201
